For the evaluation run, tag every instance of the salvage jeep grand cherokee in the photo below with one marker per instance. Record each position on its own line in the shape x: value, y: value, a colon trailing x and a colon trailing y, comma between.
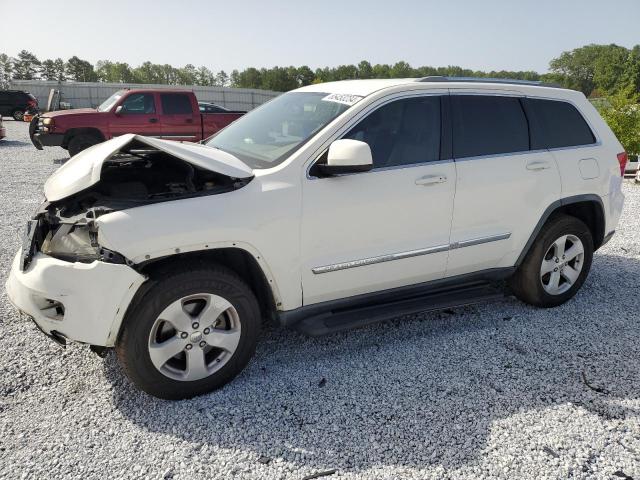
x: 332, y: 206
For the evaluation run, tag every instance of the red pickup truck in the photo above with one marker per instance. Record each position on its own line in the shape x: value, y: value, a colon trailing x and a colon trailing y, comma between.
x: 162, y: 113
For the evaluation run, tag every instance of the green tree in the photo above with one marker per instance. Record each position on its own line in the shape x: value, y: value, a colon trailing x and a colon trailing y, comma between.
x: 6, y: 70
x: 365, y: 70
x: 222, y: 79
x: 48, y: 70
x: 187, y: 75
x: 26, y: 66
x: 304, y: 76
x: 401, y: 70
x: 622, y: 114
x: 234, y: 78
x: 60, y: 69
x: 278, y: 79
x: 250, y: 78
x: 381, y: 71
x: 80, y: 70
x: 205, y: 77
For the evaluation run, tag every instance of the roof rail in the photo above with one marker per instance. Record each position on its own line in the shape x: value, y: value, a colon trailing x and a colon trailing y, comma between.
x: 506, y: 81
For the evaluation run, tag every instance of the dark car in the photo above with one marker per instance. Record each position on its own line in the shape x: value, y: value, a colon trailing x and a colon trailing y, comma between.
x: 208, y: 107
x: 13, y: 103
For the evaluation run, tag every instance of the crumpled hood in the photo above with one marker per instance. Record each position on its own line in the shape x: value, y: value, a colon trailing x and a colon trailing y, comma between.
x: 83, y: 170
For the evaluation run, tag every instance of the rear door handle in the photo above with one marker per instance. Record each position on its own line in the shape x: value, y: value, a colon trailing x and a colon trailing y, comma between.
x: 153, y: 120
x: 538, y: 166
x: 189, y: 120
x: 431, y: 180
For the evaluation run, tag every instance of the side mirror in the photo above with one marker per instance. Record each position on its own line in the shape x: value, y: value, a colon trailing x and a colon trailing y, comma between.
x: 347, y: 156
x: 118, y: 110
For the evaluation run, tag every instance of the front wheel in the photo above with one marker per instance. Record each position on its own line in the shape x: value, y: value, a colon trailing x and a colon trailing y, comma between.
x: 18, y: 115
x: 190, y: 333
x: 557, y: 264
x: 81, y: 142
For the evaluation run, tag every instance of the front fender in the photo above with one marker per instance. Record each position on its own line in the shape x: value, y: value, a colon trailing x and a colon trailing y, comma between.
x: 261, y: 219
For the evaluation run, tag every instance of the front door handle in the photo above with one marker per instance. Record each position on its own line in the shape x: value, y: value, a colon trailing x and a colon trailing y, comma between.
x: 153, y: 120
x: 538, y: 166
x: 431, y: 180
x: 189, y: 120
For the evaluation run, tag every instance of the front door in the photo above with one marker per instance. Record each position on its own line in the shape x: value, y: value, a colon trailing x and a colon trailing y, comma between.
x: 388, y: 227
x: 137, y: 115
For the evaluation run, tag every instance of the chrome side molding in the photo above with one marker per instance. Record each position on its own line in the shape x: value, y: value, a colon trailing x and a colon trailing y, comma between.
x: 408, y: 254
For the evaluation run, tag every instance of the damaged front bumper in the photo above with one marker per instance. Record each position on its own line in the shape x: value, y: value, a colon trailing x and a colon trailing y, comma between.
x: 83, y: 302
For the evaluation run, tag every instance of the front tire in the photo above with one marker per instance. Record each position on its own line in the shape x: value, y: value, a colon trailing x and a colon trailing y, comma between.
x: 557, y: 264
x: 190, y: 333
x: 81, y: 142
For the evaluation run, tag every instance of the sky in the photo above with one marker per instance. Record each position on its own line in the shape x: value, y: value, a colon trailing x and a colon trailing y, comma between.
x: 236, y: 34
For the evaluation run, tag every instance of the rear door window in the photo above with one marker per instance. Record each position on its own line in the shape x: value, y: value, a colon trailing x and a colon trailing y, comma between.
x: 175, y: 104
x: 488, y: 125
x: 403, y: 132
x: 557, y: 124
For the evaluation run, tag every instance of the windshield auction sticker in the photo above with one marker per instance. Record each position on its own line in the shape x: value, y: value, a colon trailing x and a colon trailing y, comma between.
x: 345, y: 98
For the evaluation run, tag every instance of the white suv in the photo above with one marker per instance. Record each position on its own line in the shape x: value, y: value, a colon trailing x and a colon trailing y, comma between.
x: 332, y: 206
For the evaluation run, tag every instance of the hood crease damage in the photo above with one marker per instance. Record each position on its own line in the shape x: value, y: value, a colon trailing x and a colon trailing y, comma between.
x: 126, y: 172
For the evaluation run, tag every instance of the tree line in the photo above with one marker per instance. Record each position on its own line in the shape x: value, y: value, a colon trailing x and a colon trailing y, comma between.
x: 609, y: 73
x: 596, y: 70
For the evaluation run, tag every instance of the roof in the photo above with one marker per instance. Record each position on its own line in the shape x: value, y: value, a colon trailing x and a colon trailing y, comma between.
x: 356, y: 87
x: 367, y: 87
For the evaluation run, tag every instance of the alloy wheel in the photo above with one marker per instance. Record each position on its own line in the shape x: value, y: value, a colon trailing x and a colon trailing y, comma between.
x: 562, y: 264
x: 194, y: 337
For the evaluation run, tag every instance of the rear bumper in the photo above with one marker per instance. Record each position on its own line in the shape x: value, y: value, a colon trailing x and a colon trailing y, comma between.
x: 83, y: 302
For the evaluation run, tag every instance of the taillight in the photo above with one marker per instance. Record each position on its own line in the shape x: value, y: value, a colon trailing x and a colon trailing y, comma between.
x: 623, y: 158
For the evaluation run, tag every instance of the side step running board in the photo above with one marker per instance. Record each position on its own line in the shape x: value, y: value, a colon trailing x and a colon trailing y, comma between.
x: 345, y: 319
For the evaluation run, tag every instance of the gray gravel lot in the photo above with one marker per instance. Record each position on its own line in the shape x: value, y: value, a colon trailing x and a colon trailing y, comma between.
x: 491, y: 391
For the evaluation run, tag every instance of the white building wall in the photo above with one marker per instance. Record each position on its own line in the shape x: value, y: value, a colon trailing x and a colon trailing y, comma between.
x: 92, y: 94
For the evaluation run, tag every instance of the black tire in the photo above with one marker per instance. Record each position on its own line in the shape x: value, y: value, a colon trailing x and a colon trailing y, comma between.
x: 18, y: 115
x: 81, y: 142
x: 527, y: 284
x: 132, y: 347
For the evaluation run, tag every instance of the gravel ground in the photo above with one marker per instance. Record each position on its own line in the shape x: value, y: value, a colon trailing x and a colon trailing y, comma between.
x: 500, y: 390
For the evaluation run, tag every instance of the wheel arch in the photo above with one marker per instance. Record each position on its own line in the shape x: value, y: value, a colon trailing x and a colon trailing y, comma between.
x: 239, y: 260
x: 589, y: 208
x: 72, y: 132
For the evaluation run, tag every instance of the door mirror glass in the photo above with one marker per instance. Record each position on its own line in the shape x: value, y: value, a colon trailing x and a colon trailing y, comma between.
x: 347, y: 156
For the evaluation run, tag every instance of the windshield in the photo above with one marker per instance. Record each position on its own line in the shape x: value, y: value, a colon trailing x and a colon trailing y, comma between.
x: 267, y: 135
x: 110, y: 102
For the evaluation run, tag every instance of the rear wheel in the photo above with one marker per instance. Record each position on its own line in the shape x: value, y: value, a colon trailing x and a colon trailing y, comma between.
x: 192, y: 332
x: 17, y: 115
x: 557, y: 265
x: 81, y: 142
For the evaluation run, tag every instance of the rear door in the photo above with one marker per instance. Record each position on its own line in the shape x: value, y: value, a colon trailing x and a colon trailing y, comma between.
x: 179, y: 121
x: 503, y: 185
x: 137, y: 115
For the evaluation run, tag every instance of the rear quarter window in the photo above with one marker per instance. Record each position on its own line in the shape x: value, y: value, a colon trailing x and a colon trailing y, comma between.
x: 557, y: 124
